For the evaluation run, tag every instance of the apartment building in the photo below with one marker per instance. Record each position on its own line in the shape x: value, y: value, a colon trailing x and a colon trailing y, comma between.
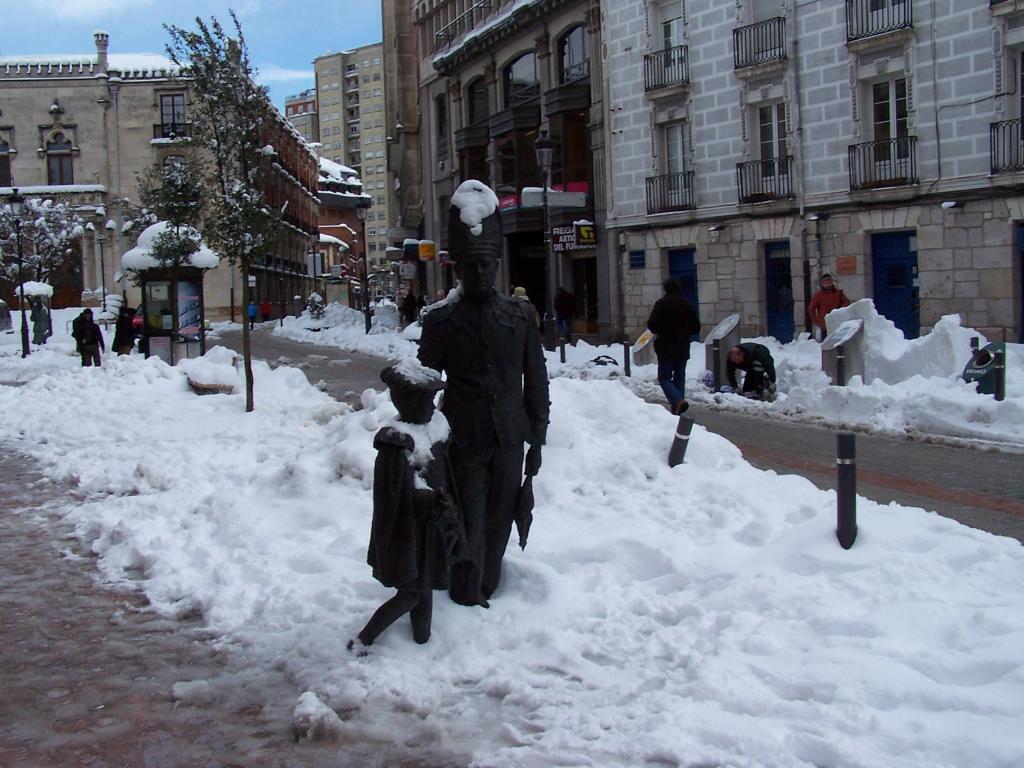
x: 759, y: 143
x: 353, y: 130
x: 301, y: 111
x: 494, y: 77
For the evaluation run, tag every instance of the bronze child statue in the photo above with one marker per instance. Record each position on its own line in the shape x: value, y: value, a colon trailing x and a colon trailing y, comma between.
x: 416, y: 531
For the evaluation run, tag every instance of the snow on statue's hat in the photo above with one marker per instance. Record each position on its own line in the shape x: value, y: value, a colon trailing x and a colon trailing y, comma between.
x: 473, y: 218
x: 410, y: 375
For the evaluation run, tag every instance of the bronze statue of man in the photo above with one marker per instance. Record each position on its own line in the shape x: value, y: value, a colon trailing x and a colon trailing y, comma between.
x: 496, y: 398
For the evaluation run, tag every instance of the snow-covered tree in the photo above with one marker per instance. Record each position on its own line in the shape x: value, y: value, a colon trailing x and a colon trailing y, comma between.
x: 230, y: 113
x: 50, y: 231
x: 316, y: 306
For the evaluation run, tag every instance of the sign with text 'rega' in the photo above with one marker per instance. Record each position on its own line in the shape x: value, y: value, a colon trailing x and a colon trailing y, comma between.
x: 578, y: 237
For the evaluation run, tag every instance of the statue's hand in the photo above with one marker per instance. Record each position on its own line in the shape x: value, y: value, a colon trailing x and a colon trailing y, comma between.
x: 533, y: 460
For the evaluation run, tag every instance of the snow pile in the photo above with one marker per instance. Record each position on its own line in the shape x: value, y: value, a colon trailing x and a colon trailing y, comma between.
x: 890, y: 357
x: 707, y: 607
x: 33, y: 288
x: 312, y: 719
x: 217, y: 368
x: 475, y: 201
x: 141, y: 256
x: 345, y: 328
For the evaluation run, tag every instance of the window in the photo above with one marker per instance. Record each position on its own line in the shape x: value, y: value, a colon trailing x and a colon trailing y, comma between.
x: 172, y: 110
x: 366, y: 62
x: 889, y: 110
x: 521, y: 82
x: 676, y: 156
x: 441, y: 126
x: 572, y: 49
x: 5, y: 164
x: 638, y: 260
x: 376, y: 76
x: 376, y: 62
x: 771, y: 130
x: 380, y: 169
x: 58, y: 161
x: 479, y: 107
x: 671, y: 15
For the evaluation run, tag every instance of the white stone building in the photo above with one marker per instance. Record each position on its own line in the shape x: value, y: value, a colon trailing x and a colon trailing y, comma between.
x: 758, y: 143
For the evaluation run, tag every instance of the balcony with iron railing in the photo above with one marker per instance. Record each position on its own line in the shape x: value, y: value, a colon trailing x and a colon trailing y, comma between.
x: 669, y: 68
x: 886, y: 163
x: 761, y: 181
x: 575, y: 72
x: 670, y: 192
x: 758, y: 44
x: 172, y: 130
x: 462, y: 24
x: 871, y: 18
x: 1006, y: 146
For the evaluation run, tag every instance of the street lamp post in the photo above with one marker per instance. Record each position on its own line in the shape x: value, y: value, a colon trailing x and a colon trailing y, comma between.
x: 101, y: 214
x: 361, y: 213
x: 545, y: 149
x: 17, y: 202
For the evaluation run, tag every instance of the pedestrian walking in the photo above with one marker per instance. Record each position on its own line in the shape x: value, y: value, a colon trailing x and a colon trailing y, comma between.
x: 416, y: 532
x: 673, y: 321
x: 89, y: 339
x: 40, y: 321
x: 251, y: 312
x: 565, y: 310
x: 265, y: 310
x: 520, y: 293
x: 759, y: 370
x: 124, y: 331
x: 409, y: 307
x: 827, y: 298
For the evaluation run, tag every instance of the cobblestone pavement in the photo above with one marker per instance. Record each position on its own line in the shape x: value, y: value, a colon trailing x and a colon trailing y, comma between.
x: 88, y: 671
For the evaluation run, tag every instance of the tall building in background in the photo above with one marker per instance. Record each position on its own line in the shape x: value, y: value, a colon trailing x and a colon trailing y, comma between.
x: 353, y: 130
x: 301, y: 111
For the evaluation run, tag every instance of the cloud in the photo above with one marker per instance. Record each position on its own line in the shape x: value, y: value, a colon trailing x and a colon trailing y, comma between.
x: 271, y: 73
x: 80, y: 9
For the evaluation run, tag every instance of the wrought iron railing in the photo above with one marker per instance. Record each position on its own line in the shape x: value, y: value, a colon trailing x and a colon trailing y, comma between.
x: 759, y: 43
x: 461, y: 24
x: 670, y: 192
x: 1006, y: 146
x: 575, y: 72
x: 867, y: 18
x: 887, y: 163
x: 664, y: 69
x: 172, y: 130
x: 759, y: 181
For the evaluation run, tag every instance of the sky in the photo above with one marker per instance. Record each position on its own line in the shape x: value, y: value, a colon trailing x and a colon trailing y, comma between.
x: 283, y: 36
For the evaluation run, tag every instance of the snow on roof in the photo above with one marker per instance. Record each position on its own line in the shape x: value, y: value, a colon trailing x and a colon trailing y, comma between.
x: 331, y: 239
x: 475, y: 201
x: 32, y: 288
x: 482, y: 30
x: 141, y: 257
x: 55, y: 189
x: 125, y: 63
x: 338, y: 172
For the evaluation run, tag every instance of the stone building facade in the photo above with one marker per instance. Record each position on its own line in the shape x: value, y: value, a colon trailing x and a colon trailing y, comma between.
x: 756, y: 144
x: 493, y: 76
x: 301, y: 111
x: 354, y: 130
x: 83, y: 128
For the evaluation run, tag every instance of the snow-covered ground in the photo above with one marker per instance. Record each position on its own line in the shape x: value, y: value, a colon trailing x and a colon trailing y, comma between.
x: 696, y: 616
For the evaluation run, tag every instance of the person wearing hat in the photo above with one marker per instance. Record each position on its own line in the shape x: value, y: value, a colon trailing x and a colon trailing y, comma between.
x: 416, y: 530
x: 827, y: 298
x: 496, y: 398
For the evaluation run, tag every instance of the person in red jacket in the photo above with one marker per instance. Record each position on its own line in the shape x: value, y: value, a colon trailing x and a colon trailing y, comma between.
x: 824, y: 301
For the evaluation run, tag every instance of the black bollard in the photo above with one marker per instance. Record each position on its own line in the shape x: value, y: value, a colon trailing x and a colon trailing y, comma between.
x: 716, y: 358
x: 626, y: 362
x: 846, y: 488
x: 999, y: 369
x: 561, y: 351
x: 840, y: 366
x: 677, y: 452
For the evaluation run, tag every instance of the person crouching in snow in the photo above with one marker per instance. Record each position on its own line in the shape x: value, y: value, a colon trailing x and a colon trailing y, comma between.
x: 759, y: 368
x: 417, y: 531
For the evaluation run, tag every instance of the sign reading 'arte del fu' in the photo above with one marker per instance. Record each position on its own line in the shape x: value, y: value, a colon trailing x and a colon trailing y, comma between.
x: 579, y: 236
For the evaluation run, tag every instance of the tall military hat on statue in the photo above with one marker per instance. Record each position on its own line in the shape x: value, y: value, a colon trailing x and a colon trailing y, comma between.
x: 473, y: 219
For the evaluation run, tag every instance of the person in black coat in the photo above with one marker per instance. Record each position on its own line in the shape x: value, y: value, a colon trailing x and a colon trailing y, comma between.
x: 89, y: 338
x: 124, y: 331
x: 759, y: 370
x: 496, y: 397
x: 674, y: 321
x: 416, y: 530
x: 409, y: 308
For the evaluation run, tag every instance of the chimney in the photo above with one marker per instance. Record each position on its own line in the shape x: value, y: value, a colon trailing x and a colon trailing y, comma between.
x: 102, y: 41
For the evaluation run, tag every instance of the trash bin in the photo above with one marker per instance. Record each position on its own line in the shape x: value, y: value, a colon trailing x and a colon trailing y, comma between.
x: 842, y: 352
x: 717, y: 344
x: 981, y: 368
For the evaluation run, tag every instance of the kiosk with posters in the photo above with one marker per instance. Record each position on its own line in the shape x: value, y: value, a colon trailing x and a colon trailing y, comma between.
x: 170, y: 332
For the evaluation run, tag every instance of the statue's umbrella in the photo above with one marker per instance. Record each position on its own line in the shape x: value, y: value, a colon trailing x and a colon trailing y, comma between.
x: 524, y: 511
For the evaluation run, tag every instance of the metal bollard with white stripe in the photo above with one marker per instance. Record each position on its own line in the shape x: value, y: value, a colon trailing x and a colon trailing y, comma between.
x: 677, y: 452
x: 846, y: 489
x: 561, y: 351
x: 999, y: 367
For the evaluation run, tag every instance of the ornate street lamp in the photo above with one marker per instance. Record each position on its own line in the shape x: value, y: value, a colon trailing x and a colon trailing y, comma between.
x: 101, y: 214
x: 17, y: 203
x: 545, y: 149
x: 361, y: 214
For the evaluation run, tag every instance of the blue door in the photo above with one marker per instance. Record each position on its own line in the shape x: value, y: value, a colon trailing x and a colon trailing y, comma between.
x: 895, y: 280
x: 681, y: 266
x: 778, y: 284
